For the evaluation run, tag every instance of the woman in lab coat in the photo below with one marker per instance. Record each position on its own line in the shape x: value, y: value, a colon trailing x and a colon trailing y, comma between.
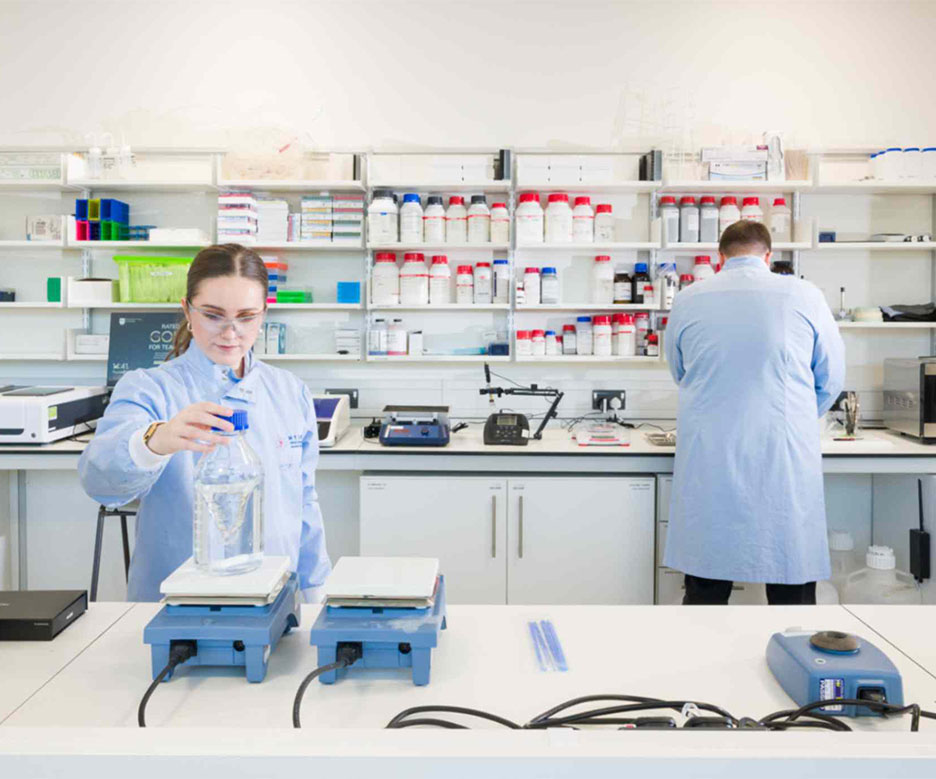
x: 158, y: 422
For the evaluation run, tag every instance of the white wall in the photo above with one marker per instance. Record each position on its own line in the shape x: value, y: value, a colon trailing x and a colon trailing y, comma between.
x: 438, y: 72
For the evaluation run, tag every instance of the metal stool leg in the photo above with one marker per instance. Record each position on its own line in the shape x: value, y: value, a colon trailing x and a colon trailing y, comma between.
x: 126, y: 543
x: 98, y: 543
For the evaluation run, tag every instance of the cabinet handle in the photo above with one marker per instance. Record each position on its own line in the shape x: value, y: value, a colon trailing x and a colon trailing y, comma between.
x: 493, y: 526
x: 520, y: 535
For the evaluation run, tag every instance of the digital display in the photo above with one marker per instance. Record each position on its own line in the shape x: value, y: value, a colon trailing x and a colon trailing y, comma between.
x: 507, y: 421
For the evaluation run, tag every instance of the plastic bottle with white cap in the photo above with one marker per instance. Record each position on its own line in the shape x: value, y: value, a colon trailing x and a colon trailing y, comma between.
x: 881, y: 582
x: 843, y: 559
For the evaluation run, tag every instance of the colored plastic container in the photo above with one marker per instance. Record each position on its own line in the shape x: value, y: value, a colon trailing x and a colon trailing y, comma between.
x: 152, y: 279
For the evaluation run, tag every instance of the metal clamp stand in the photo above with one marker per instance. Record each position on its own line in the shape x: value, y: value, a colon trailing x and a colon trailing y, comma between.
x: 532, y: 390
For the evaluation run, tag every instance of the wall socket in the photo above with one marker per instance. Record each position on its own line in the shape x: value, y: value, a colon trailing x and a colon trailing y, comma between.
x: 601, y: 397
x: 351, y: 393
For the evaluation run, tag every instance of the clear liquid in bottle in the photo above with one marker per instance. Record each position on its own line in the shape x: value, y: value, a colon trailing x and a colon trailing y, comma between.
x: 228, y: 521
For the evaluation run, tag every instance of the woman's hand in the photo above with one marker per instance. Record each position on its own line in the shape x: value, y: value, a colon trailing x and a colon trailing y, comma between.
x: 190, y: 430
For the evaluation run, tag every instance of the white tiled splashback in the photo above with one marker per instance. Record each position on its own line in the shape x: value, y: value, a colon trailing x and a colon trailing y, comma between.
x: 651, y: 392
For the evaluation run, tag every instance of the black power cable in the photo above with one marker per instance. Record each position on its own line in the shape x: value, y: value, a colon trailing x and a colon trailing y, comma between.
x: 347, y: 654
x: 400, y: 721
x: 179, y: 652
x: 886, y: 709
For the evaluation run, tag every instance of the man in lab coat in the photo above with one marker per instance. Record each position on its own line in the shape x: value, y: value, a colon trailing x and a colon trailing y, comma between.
x: 758, y: 358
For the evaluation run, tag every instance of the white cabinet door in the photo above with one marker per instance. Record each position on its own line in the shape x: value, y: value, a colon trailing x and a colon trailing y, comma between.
x: 462, y: 521
x: 581, y: 540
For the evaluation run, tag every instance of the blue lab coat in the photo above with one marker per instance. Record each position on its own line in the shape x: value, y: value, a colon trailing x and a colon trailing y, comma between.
x: 758, y: 358
x: 283, y: 432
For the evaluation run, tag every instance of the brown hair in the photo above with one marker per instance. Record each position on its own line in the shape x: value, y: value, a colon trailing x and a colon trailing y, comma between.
x: 226, y: 259
x: 745, y: 237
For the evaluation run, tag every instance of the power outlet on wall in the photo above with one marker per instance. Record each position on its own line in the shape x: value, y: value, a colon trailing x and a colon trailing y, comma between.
x: 351, y: 393
x: 602, y: 399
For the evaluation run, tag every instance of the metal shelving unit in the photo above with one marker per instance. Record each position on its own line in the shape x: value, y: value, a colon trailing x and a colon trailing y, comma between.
x: 650, y: 249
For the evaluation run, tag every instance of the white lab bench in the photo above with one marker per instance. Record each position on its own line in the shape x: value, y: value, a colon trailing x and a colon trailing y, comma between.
x: 37, y: 492
x: 81, y: 719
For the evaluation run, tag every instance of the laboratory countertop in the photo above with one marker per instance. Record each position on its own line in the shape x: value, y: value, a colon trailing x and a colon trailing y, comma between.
x: 556, y: 441
x: 28, y: 665
x: 484, y: 660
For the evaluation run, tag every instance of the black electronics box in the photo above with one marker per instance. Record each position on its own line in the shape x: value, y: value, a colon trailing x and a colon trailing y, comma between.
x: 39, y: 615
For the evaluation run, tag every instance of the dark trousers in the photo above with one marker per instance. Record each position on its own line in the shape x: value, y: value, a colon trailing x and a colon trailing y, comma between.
x: 715, y: 592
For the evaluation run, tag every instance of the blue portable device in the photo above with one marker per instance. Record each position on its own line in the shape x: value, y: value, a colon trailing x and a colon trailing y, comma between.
x: 233, y: 620
x: 415, y: 426
x: 830, y: 665
x: 391, y: 636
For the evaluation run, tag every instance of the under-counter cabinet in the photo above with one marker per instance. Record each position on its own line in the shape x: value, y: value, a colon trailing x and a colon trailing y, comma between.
x: 519, y: 540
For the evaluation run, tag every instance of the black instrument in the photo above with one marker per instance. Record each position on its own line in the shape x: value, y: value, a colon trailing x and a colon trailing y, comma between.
x: 506, y: 429
x: 514, y: 423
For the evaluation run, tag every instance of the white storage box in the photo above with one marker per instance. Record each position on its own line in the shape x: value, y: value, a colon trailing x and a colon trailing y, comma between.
x: 91, y: 292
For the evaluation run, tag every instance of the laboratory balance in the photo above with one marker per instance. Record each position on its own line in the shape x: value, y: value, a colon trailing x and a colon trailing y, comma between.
x: 234, y: 620
x: 393, y: 607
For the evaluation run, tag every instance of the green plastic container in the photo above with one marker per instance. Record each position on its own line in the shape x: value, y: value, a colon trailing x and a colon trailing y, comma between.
x: 152, y: 279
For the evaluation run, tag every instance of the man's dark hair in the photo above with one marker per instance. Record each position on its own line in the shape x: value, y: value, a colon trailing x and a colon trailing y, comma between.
x: 745, y: 237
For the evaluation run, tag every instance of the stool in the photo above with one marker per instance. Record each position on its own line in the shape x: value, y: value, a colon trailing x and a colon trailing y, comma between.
x: 104, y: 512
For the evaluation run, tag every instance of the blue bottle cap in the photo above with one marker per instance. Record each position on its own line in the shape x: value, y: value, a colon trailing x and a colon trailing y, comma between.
x: 583, y: 319
x: 549, y: 270
x: 500, y: 262
x: 894, y: 148
x: 930, y: 148
x: 238, y: 419
x: 411, y: 197
x: 640, y: 267
x: 912, y: 148
x: 550, y: 332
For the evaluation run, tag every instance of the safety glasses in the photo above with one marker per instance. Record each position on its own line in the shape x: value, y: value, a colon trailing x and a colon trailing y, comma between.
x: 217, y: 323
